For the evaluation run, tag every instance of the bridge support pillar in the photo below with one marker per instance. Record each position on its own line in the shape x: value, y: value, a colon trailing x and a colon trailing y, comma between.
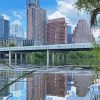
x: 63, y: 59
x: 58, y: 58
x: 15, y: 58
x: 53, y: 57
x: 25, y: 58
x: 0, y: 57
x: 9, y: 58
x: 47, y: 59
x: 21, y: 58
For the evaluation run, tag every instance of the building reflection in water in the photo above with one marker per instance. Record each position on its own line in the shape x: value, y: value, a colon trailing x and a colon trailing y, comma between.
x: 55, y: 84
x: 44, y: 85
x: 36, y: 87
x: 82, y: 82
x: 52, y: 86
x: 4, y: 79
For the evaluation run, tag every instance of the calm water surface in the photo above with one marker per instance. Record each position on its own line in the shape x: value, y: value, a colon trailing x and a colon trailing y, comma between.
x: 54, y: 84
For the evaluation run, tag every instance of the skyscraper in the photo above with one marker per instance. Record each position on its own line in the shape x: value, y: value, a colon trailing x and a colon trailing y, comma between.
x: 56, y: 29
x: 82, y: 32
x: 36, y: 23
x: 17, y: 30
x: 69, y: 34
x: 4, y: 28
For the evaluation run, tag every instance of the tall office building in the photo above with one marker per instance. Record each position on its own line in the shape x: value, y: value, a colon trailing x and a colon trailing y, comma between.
x: 82, y: 32
x: 36, y: 23
x: 56, y: 31
x: 69, y: 34
x: 16, y: 30
x: 4, y: 28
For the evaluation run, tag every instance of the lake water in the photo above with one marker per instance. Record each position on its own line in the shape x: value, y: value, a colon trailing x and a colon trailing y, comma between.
x: 52, y: 84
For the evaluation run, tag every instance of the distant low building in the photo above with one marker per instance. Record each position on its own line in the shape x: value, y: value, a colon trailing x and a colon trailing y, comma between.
x: 28, y: 42
x: 11, y: 41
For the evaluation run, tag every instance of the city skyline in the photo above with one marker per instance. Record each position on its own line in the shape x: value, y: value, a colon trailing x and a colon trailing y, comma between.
x: 55, y: 9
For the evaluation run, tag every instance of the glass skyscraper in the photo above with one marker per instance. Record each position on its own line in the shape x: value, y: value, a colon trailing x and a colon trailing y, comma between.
x: 4, y: 28
x: 17, y: 30
x: 69, y: 34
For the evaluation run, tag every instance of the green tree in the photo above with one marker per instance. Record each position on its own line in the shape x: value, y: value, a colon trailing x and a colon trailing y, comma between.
x: 96, y: 57
x: 11, y: 45
x: 37, y: 58
x: 92, y: 6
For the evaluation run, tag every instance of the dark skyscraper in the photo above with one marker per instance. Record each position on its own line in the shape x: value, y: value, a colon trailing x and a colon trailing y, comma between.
x: 36, y: 23
x: 4, y: 28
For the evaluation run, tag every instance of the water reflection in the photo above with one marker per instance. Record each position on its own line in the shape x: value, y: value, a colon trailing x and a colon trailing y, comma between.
x: 50, y: 85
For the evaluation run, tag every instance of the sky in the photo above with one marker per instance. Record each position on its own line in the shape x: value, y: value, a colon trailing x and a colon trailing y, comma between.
x: 15, y: 11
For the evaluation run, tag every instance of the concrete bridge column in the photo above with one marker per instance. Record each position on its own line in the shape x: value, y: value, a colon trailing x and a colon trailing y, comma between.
x: 0, y: 57
x: 67, y: 60
x: 53, y: 57
x: 21, y: 58
x: 31, y: 58
x: 58, y: 58
x: 26, y: 58
x: 9, y: 58
x: 6, y: 59
x: 47, y: 59
x: 15, y: 58
x: 63, y: 59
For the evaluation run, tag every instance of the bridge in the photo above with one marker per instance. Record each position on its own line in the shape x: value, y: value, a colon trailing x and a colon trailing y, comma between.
x: 47, y: 48
x: 70, y: 47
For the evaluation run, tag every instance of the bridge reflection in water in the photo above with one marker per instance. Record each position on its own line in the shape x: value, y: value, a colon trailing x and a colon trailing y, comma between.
x: 50, y: 85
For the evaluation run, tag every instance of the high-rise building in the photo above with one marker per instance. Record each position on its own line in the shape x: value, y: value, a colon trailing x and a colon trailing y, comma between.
x: 16, y: 30
x: 36, y: 23
x: 4, y: 28
x: 56, y: 31
x: 82, y: 32
x: 69, y: 34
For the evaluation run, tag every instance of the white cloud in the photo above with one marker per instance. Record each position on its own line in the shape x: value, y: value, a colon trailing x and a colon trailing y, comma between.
x: 57, y: 14
x: 16, y: 22
x: 17, y: 15
x: 96, y: 32
x: 6, y: 17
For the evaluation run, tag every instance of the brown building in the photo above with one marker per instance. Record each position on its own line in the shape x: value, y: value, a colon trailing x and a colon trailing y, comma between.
x: 36, y: 23
x: 56, y: 31
x: 82, y: 32
x: 36, y: 87
x: 56, y: 84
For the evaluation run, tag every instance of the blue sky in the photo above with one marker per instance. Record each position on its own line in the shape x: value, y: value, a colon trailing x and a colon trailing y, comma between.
x: 15, y: 10
x: 21, y: 4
